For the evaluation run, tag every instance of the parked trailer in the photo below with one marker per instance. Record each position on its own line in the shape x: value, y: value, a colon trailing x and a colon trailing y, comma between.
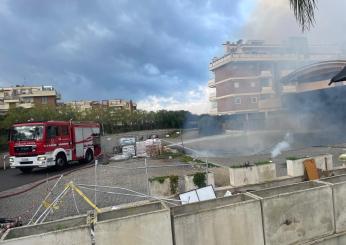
x: 52, y: 143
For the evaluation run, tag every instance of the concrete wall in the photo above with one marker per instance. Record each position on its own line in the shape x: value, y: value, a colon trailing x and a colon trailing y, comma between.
x: 339, y: 198
x: 190, y: 185
x: 280, y: 181
x: 73, y: 231
x: 158, y: 189
x: 232, y: 220
x: 252, y: 174
x: 146, y: 225
x: 221, y: 176
x: 296, y: 167
x: 296, y: 213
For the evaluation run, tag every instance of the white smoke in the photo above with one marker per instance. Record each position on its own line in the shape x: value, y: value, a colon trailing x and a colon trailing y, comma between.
x: 274, y: 21
x: 281, y: 146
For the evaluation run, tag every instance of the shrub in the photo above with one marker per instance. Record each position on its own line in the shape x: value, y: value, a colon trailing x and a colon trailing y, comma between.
x: 199, y: 179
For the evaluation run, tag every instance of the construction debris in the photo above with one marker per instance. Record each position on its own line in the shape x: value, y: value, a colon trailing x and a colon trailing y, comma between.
x: 130, y: 148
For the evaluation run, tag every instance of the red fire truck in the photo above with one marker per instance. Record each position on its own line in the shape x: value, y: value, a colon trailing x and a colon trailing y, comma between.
x: 52, y: 143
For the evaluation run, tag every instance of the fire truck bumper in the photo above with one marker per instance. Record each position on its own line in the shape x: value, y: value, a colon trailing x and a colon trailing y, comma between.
x: 41, y: 161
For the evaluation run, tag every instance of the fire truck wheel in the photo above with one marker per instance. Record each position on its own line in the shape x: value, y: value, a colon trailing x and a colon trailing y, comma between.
x: 89, y: 156
x: 26, y: 170
x: 60, y: 160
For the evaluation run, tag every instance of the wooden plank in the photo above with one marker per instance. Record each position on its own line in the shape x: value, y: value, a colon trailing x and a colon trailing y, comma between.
x: 311, y: 169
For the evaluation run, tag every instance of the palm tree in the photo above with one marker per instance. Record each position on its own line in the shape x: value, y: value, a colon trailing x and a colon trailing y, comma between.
x: 304, y: 11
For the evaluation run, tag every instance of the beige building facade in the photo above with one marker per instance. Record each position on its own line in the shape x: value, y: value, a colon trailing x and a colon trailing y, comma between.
x: 27, y: 97
x: 120, y: 104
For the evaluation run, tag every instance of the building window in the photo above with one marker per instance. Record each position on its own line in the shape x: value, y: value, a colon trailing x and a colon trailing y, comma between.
x: 237, y: 100
x: 44, y: 100
x: 253, y: 84
x: 254, y: 100
x: 236, y: 84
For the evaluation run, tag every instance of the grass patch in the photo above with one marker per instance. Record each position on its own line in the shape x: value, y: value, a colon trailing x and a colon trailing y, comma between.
x: 185, y: 159
x: 292, y: 158
x: 174, y: 134
x: 159, y: 179
x: 247, y: 164
x: 239, y: 166
x: 263, y: 162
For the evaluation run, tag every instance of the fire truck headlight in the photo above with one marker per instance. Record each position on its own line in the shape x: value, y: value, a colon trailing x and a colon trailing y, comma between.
x: 11, y: 160
x: 41, y: 158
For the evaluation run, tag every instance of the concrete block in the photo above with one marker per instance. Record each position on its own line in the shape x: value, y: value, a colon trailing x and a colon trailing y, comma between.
x: 148, y: 224
x: 296, y: 167
x: 232, y: 220
x: 243, y: 176
x: 252, y: 174
x: 266, y: 172
x: 161, y: 187
x: 296, y: 213
x: 280, y: 181
x: 190, y: 185
x: 221, y: 176
x: 339, y: 198
x: 72, y: 230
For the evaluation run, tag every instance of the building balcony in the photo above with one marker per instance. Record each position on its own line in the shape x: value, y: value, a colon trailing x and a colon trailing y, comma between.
x: 269, y: 104
x: 42, y: 93
x: 212, y: 96
x: 25, y: 105
x: 4, y: 107
x: 267, y: 90
x: 211, y: 83
x: 252, y: 57
x: 265, y: 57
x: 289, y: 89
x: 266, y: 74
x: 11, y: 100
x: 284, y: 73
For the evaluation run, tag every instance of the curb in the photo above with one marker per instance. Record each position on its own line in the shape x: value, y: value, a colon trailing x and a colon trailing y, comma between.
x: 21, y: 189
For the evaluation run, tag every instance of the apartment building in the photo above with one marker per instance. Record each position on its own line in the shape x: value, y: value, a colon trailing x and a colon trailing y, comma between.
x: 27, y: 97
x: 246, y: 79
x: 120, y: 104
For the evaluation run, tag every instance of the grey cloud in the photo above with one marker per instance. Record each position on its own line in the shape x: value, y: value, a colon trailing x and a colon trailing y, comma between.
x: 105, y: 49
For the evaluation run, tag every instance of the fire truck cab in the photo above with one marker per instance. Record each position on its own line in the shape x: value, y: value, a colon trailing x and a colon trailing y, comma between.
x: 52, y: 143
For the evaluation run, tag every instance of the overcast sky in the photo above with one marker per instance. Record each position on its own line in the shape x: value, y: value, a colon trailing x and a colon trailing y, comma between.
x: 155, y: 52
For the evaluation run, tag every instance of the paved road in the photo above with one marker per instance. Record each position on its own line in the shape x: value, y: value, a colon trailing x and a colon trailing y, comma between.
x: 12, y: 178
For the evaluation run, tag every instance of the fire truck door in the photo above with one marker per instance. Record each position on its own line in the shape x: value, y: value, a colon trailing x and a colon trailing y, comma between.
x: 79, y: 142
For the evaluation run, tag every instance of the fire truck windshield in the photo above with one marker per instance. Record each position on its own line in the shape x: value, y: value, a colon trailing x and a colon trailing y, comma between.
x: 33, y: 132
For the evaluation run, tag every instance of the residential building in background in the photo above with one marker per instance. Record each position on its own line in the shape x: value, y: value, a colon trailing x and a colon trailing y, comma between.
x: 247, y: 79
x: 120, y: 104
x: 27, y: 97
